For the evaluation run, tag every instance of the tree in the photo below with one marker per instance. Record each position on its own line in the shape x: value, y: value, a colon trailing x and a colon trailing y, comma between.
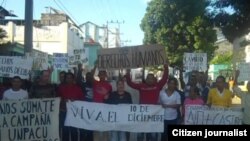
x: 225, y: 58
x: 181, y: 26
x: 232, y: 16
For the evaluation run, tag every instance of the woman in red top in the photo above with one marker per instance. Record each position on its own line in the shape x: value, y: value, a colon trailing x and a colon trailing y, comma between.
x: 68, y: 91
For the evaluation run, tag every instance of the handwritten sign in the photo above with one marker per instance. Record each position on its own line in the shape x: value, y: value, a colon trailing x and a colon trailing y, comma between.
x: 203, y: 115
x: 195, y: 61
x: 79, y: 56
x: 244, y: 71
x: 15, y: 66
x: 124, y: 117
x: 60, y: 61
x: 40, y: 60
x: 131, y: 57
x: 29, y: 120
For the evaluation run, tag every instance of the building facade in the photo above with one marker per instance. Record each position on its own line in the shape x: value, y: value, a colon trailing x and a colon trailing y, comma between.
x: 107, y: 37
x: 54, y: 33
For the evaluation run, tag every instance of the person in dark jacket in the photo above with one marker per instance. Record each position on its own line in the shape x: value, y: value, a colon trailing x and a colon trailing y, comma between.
x: 120, y: 96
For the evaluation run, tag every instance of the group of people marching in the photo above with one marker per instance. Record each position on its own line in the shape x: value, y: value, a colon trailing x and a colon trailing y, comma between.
x: 74, y: 86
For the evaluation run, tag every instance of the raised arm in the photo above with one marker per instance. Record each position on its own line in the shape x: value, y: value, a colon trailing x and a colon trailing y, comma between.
x: 129, y: 81
x: 94, y: 70
x: 236, y: 89
x: 79, y: 77
x: 164, y: 78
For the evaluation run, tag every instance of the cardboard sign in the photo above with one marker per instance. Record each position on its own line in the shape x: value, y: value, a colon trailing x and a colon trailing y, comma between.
x: 131, y: 57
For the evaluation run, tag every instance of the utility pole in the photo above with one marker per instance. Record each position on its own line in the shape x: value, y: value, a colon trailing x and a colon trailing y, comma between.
x: 124, y: 42
x: 107, y: 32
x: 28, y: 31
x: 118, y: 32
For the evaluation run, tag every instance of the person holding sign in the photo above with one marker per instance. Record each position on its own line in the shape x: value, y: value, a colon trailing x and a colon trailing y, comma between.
x: 149, y: 93
x: 86, y: 85
x: 101, y: 88
x: 101, y: 91
x: 170, y: 100
x: 68, y: 92
x: 194, y: 98
x: 15, y: 92
x: 245, y: 99
x: 220, y: 96
x: 119, y: 97
x: 43, y: 89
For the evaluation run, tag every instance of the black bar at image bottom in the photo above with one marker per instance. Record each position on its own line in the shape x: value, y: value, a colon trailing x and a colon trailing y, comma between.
x: 208, y: 132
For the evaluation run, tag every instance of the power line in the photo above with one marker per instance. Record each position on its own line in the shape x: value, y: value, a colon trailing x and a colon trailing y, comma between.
x: 107, y: 7
x: 118, y: 39
x: 2, y: 2
x: 119, y: 8
x: 65, y: 10
x: 100, y: 5
x: 95, y: 8
x: 2, y: 5
x: 5, y: 3
x: 112, y: 11
x: 68, y: 11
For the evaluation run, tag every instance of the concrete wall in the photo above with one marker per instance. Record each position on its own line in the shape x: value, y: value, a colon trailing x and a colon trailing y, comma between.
x: 50, y: 39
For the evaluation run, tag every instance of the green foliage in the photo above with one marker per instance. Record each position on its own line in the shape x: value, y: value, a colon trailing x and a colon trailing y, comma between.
x: 225, y: 58
x: 179, y: 25
x: 232, y: 16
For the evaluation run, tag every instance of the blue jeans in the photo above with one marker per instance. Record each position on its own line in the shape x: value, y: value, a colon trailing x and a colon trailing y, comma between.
x: 68, y: 133
x: 118, y: 136
x: 164, y: 135
x: 149, y: 136
x: 86, y: 135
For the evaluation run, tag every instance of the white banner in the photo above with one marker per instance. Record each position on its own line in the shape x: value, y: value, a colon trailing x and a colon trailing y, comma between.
x: 122, y: 117
x: 60, y: 61
x: 29, y: 120
x: 15, y: 66
x: 203, y: 115
x: 195, y: 61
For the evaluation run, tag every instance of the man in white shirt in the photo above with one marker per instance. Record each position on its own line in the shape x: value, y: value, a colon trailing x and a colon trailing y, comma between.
x: 245, y: 98
x: 15, y: 92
